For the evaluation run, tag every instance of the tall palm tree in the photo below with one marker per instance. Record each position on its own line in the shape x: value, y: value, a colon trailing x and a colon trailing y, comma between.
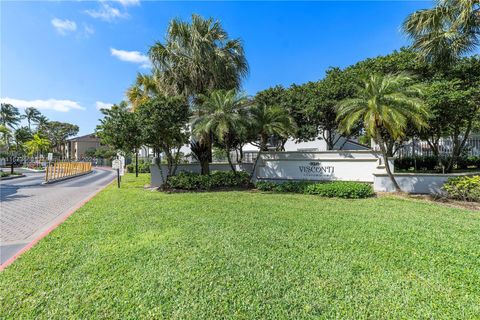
x: 9, y: 118
x: 9, y: 115
x: 270, y: 120
x: 6, y: 135
x: 199, y: 57
x: 267, y: 121
x: 145, y: 87
x: 445, y: 32
x: 41, y: 122
x: 384, y: 103
x: 221, y: 115
x: 32, y: 115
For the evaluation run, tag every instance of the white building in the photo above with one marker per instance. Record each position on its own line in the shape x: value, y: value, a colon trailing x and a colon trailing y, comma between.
x: 250, y: 151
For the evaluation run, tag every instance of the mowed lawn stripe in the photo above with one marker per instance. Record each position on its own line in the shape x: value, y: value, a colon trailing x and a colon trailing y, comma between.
x: 134, y: 253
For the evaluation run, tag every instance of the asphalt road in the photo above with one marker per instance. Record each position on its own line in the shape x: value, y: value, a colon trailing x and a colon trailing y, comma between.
x: 28, y: 207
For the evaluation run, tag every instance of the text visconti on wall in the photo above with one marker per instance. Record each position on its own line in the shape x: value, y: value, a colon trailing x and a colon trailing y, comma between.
x: 320, y: 166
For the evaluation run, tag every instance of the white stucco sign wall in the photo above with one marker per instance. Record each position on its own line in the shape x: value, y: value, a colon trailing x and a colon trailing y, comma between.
x: 320, y: 166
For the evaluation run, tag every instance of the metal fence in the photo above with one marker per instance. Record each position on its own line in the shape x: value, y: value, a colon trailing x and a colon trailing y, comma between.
x: 422, y: 148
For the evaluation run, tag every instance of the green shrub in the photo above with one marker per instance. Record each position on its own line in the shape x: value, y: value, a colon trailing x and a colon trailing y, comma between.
x: 289, y: 186
x: 143, y: 167
x: 339, y: 189
x: 292, y: 186
x: 463, y: 188
x: 216, y: 180
x: 466, y: 162
x: 266, y: 186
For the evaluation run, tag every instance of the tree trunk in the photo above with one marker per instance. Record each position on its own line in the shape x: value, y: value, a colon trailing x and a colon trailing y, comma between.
x: 380, y: 142
x: 329, y: 140
x: 255, y: 163
x: 177, y: 160
x: 205, y: 165
x: 458, y: 146
x: 241, y: 154
x: 263, y: 142
x: 136, y: 162
x: 158, y: 164
x: 230, y: 161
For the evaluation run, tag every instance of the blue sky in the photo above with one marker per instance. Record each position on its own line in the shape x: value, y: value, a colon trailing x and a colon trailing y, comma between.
x: 67, y: 58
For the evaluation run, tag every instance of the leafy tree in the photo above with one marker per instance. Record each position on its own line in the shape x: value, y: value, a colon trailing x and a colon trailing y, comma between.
x: 220, y: 114
x: 165, y: 127
x: 58, y: 133
x: 32, y: 115
x: 105, y: 152
x: 37, y: 145
x: 320, y: 100
x: 90, y: 152
x: 384, y: 103
x: 403, y: 60
x: 21, y: 136
x: 445, y: 32
x: 120, y: 128
x: 454, y: 108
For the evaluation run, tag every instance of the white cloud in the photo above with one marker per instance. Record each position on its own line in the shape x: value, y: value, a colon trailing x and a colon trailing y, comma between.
x: 106, y: 12
x: 50, y: 104
x: 88, y: 30
x: 129, y: 2
x: 131, y: 56
x: 64, y: 26
x: 103, y: 105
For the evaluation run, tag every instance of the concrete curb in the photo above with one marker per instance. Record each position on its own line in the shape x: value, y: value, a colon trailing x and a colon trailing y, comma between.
x: 51, y: 228
x: 13, y: 177
x: 67, y: 178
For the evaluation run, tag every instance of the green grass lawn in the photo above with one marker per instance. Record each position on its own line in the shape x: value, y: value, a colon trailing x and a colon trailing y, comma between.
x: 134, y: 253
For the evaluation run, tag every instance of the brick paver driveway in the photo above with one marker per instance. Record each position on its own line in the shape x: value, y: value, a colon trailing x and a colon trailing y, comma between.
x: 28, y: 208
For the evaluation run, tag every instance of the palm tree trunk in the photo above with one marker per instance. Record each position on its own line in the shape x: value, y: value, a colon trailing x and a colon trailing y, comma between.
x: 380, y: 142
x: 230, y: 161
x: 255, y: 163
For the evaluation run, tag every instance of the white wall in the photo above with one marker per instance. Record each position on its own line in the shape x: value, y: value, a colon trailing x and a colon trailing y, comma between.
x: 414, y: 182
x: 319, y: 166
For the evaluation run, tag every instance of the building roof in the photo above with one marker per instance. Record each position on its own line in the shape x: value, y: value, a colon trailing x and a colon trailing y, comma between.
x: 87, y: 137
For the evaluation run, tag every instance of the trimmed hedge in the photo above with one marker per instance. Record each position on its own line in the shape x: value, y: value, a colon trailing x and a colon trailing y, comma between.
x: 338, y: 189
x: 216, y: 180
x: 463, y: 188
